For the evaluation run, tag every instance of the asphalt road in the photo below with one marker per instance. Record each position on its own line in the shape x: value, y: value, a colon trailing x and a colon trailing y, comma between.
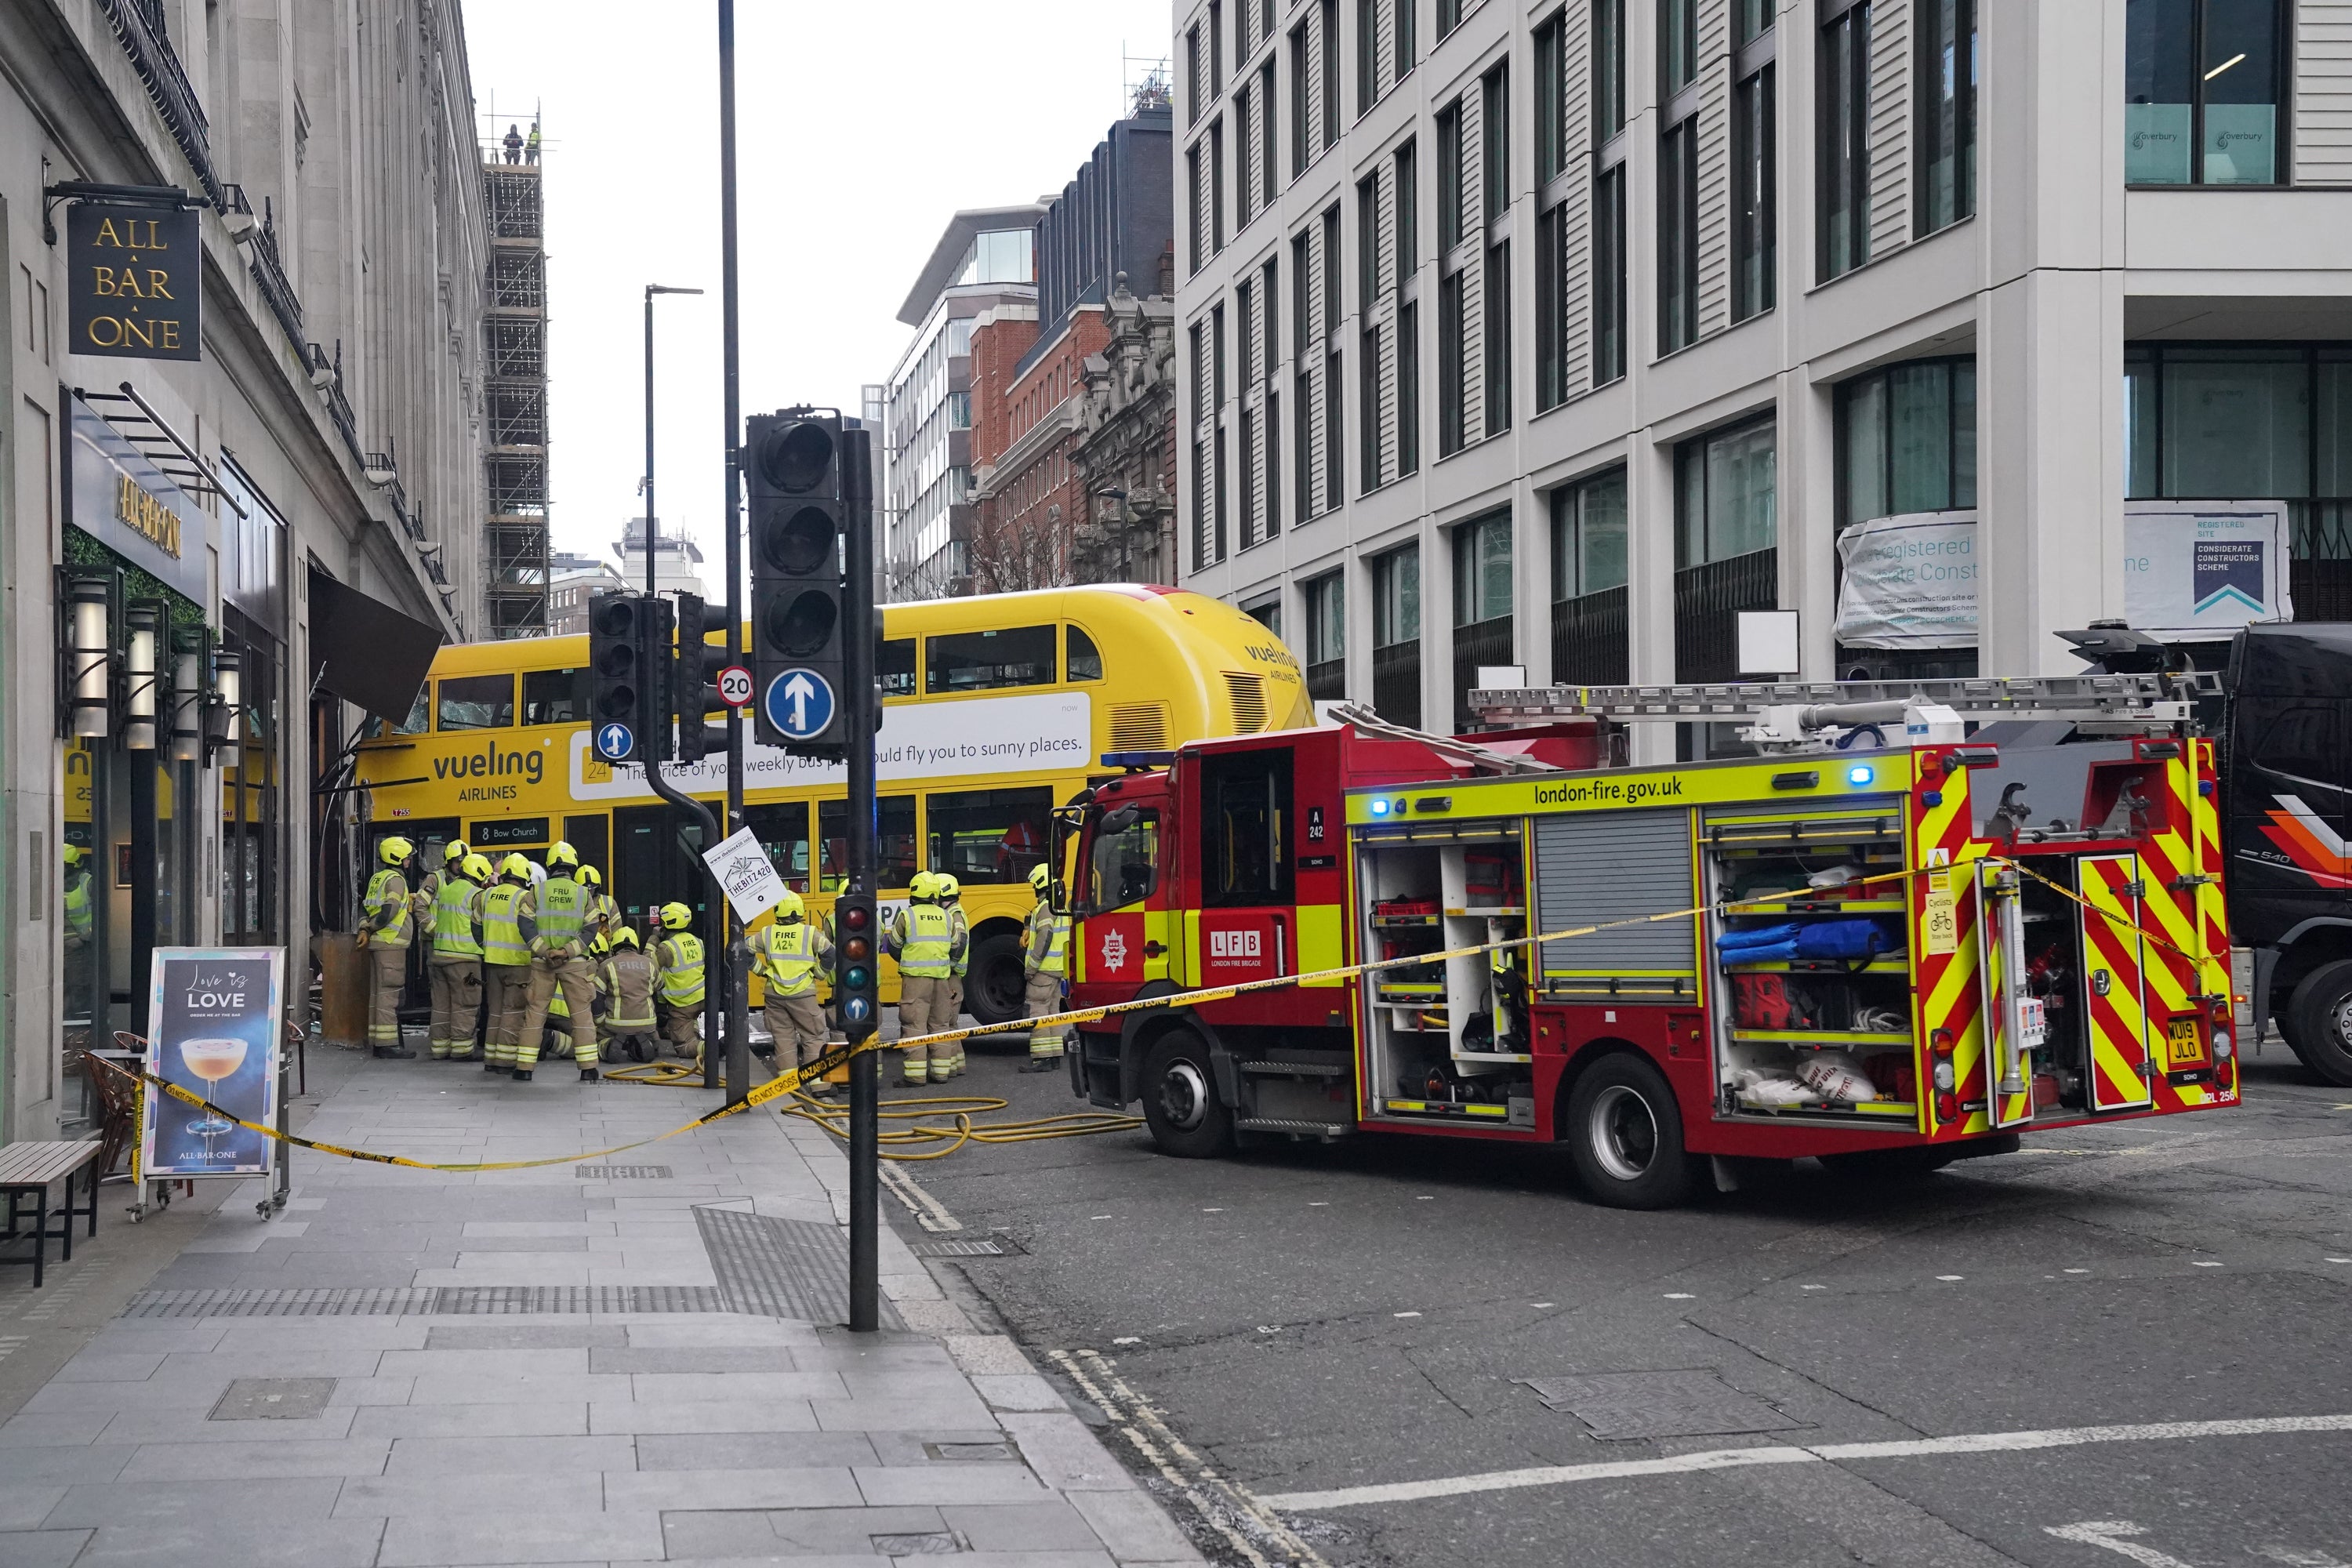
x: 1374, y: 1314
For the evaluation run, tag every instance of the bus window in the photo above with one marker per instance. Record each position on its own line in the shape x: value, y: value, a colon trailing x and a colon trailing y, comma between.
x: 989, y: 834
x: 984, y: 661
x: 1085, y: 662
x: 898, y: 843
x: 782, y: 830
x: 477, y: 702
x: 420, y: 716
x: 899, y: 668
x: 555, y: 696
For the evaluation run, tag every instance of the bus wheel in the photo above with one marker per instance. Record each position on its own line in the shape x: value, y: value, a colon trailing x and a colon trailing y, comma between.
x: 1180, y: 1099
x: 2322, y: 1021
x: 1625, y: 1134
x: 995, y: 991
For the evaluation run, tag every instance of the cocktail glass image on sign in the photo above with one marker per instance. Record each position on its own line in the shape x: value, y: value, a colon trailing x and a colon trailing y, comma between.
x: 213, y: 1015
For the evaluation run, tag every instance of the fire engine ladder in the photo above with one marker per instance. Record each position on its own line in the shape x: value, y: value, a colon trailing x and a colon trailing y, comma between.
x: 1486, y: 759
x: 1811, y: 704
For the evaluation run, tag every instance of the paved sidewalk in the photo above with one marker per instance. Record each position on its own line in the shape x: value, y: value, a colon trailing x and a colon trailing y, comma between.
x: 461, y: 1369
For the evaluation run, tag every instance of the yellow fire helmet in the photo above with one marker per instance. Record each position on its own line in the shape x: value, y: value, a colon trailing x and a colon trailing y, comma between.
x: 1040, y: 876
x: 599, y: 945
x: 477, y: 867
x: 592, y: 877
x: 921, y: 885
x: 677, y: 917
x: 562, y: 854
x: 946, y: 888
x: 75, y: 853
x: 395, y: 850
x: 456, y: 850
x: 515, y: 865
x: 626, y: 935
x: 790, y: 908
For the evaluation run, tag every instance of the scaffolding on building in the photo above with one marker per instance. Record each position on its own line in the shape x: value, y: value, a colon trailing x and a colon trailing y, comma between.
x: 514, y: 347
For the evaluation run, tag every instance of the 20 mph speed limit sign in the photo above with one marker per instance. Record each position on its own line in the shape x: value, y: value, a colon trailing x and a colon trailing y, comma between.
x: 735, y: 686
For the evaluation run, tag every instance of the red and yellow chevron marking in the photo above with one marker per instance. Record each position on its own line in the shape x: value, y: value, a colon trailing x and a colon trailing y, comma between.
x: 2009, y: 1109
x: 2205, y: 817
x: 1946, y: 982
x: 2118, y: 1024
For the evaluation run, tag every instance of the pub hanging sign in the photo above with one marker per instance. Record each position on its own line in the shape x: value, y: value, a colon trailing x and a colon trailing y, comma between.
x: 136, y: 279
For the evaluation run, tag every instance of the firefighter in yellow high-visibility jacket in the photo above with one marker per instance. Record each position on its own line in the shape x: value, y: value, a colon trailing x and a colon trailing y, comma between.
x: 1044, y: 948
x: 787, y: 954
x: 559, y: 936
x: 387, y: 927
x: 926, y: 940
x: 457, y: 957
x: 679, y: 958
x: 506, y: 962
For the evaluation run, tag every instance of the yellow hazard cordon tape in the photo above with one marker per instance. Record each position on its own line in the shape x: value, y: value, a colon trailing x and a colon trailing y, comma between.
x: 789, y: 1080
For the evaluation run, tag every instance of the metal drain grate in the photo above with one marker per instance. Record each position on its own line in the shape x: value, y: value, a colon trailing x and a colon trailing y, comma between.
x: 781, y: 1268
x: 622, y: 1173
x: 1689, y: 1403
x: 456, y: 1301
x: 991, y: 1247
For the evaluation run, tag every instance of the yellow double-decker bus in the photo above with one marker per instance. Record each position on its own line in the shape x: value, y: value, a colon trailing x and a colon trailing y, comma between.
x: 995, y: 710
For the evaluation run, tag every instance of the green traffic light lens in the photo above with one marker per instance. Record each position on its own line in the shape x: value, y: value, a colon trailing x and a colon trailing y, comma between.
x: 854, y: 978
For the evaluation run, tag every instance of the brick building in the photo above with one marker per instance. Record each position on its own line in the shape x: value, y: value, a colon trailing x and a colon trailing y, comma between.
x: 1041, y: 377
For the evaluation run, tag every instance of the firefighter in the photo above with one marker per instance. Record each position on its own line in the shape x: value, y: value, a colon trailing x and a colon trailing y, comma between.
x: 506, y: 962
x: 605, y: 909
x: 627, y: 980
x: 1043, y: 949
x: 79, y: 926
x: 786, y: 955
x: 680, y: 960
x: 922, y: 939
x: 559, y: 962
x: 387, y: 926
x: 457, y: 957
x: 428, y: 886
x: 949, y: 892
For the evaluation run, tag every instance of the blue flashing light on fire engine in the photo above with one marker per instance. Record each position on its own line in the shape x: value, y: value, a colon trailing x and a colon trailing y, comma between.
x: 1860, y: 774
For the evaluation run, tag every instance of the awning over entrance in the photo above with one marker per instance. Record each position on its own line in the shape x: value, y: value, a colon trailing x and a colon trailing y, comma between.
x: 366, y: 652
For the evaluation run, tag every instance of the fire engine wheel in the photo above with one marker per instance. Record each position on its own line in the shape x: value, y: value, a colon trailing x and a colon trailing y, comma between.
x: 2322, y: 1021
x: 1625, y: 1134
x: 994, y: 990
x: 1179, y: 1100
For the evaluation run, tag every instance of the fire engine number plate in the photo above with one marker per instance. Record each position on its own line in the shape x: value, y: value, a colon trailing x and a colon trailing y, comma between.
x: 2182, y: 1048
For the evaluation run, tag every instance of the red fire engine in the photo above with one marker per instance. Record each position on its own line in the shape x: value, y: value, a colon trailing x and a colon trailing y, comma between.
x: 1882, y: 939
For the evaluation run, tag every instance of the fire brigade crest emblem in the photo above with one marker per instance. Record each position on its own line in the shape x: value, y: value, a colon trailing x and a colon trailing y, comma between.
x: 1114, y: 950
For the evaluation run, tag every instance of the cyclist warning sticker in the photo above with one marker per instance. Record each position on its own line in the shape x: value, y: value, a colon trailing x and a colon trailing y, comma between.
x: 1939, y: 923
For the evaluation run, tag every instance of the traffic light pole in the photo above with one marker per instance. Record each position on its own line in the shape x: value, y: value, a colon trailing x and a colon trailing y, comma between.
x: 736, y: 975
x: 858, y: 675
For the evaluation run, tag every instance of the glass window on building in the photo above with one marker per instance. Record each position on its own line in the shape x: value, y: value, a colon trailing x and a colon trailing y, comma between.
x: 1724, y: 494
x: 2252, y: 422
x: 1325, y: 600
x: 1842, y: 236
x: 989, y: 835
x: 989, y: 660
x: 1906, y: 440
x: 1588, y: 626
x: 2203, y: 81
x: 1946, y: 92
x: 1482, y: 606
x: 1396, y: 634
x: 477, y: 702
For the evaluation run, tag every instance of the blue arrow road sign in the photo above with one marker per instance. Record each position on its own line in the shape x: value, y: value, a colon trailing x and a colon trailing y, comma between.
x: 800, y: 703
x: 614, y: 741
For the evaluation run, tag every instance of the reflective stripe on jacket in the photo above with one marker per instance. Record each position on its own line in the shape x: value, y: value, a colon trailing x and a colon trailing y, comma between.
x: 562, y: 918
x: 457, y: 920
x: 502, y: 925
x: 1045, y: 945
x: 388, y: 921
x: 785, y: 956
x: 922, y: 937
x: 681, y: 967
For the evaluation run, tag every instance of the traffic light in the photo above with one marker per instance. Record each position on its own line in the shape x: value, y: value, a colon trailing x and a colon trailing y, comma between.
x: 694, y: 680
x: 797, y: 507
x: 856, y: 979
x: 616, y: 669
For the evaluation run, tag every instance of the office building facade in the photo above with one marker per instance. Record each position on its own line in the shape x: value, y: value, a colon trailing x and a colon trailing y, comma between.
x: 1556, y: 336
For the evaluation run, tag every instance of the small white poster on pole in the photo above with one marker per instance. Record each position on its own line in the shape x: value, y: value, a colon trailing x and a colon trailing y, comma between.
x: 743, y: 869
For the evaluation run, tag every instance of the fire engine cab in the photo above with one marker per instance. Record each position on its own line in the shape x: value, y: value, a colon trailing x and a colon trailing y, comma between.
x: 1913, y: 922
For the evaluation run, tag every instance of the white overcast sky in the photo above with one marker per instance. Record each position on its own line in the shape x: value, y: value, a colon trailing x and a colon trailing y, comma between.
x: 860, y: 128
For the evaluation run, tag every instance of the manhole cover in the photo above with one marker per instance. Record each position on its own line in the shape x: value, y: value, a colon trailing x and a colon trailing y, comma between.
x: 274, y: 1399
x: 622, y: 1173
x: 998, y: 1451
x: 934, y: 1543
x: 989, y: 1247
x: 1691, y: 1403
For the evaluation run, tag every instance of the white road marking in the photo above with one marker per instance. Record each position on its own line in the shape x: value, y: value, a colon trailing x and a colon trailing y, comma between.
x: 1128, y: 1340
x: 2114, y: 1535
x: 1404, y: 1314
x: 1426, y: 1198
x: 1948, y: 1277
x: 1541, y: 1306
x: 1787, y: 1454
x: 1099, y: 1216
x: 2295, y: 1558
x: 1813, y: 1286
x: 1318, y: 1204
x: 1680, y: 1296
x: 2204, y: 1263
x: 2078, y: 1271
x: 1212, y: 1211
x: 2340, y: 1260
x: 929, y: 1211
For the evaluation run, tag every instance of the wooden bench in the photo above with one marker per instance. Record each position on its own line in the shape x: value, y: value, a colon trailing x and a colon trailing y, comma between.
x: 27, y: 1171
